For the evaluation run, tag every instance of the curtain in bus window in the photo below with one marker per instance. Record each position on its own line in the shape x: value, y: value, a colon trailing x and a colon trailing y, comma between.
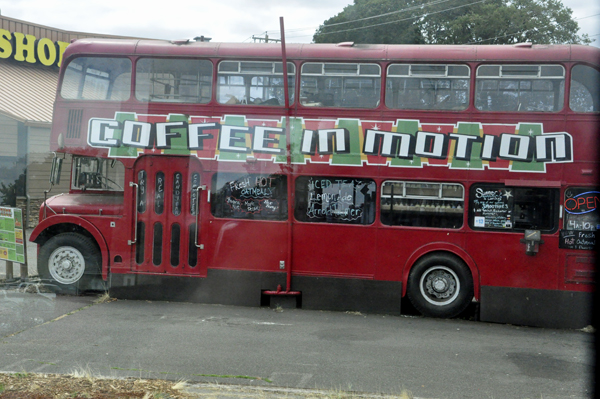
x: 173, y: 80
x: 335, y: 200
x: 95, y: 78
x: 249, y: 196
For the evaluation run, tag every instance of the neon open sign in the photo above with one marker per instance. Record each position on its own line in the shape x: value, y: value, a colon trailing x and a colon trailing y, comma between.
x: 583, y: 203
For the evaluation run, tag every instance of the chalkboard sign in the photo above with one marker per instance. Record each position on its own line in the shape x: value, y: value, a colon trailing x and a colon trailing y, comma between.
x: 492, y: 208
x: 335, y: 200
x: 251, y: 196
x: 577, y: 239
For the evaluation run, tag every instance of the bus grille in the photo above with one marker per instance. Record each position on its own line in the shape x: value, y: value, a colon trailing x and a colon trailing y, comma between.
x: 74, y: 123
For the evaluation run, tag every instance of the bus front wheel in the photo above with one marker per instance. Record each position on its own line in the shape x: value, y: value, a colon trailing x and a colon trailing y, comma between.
x: 71, y: 261
x: 440, y: 285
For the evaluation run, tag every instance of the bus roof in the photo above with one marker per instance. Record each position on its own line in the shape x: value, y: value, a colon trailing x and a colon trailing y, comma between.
x: 342, y: 51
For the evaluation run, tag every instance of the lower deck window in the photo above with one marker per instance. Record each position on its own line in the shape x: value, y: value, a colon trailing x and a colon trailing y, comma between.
x: 422, y: 204
x: 335, y: 200
x: 249, y: 196
x: 497, y: 207
x: 581, y: 209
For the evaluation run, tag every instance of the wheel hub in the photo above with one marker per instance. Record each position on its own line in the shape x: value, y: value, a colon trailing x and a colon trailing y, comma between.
x: 440, y: 284
x: 66, y: 265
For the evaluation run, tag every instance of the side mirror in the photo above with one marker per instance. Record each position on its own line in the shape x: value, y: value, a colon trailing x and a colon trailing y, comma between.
x: 55, y: 171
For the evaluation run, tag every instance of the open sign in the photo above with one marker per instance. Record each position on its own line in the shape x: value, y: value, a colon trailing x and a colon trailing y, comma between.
x: 583, y: 203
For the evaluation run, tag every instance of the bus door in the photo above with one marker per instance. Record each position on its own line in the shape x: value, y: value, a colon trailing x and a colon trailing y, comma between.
x: 167, y: 212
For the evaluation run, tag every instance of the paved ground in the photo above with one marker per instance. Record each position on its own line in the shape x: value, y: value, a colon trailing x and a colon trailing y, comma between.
x: 263, y: 348
x: 293, y: 349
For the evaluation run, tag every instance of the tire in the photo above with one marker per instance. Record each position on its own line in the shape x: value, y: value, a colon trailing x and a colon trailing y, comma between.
x: 70, y: 261
x: 440, y: 285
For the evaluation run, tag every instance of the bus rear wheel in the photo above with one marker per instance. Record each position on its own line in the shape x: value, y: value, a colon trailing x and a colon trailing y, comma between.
x: 71, y: 261
x: 440, y: 285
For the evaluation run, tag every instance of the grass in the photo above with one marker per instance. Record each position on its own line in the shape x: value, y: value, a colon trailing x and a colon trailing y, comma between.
x: 85, y: 373
x: 104, y: 298
x: 82, y: 383
x: 246, y: 377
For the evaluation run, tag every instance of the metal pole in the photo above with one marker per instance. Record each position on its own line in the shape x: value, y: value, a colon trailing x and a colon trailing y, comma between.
x: 288, y: 133
x: 10, y: 277
x: 24, y: 269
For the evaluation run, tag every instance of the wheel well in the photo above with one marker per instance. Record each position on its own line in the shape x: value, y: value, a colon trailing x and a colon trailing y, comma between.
x: 63, y: 228
x: 444, y: 254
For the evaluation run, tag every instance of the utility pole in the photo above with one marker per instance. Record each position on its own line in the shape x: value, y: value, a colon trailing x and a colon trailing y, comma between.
x: 264, y: 39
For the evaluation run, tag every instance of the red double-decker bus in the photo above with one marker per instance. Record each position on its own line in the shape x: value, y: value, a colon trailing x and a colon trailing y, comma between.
x: 340, y: 177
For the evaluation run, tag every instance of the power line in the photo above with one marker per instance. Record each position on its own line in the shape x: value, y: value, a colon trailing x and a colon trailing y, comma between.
x: 527, y: 30
x: 432, y: 3
x: 403, y: 19
x: 435, y: 2
x: 589, y: 16
x: 498, y: 37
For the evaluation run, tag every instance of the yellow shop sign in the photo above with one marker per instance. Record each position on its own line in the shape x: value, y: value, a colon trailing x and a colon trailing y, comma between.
x: 28, y: 48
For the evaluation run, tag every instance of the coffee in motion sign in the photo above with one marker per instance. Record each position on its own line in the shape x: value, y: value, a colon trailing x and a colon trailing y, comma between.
x: 12, y: 246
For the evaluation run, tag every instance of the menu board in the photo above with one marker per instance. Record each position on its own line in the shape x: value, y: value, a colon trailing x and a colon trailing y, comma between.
x: 12, y: 247
x: 251, y: 196
x: 492, y: 208
x: 335, y: 200
x: 577, y: 239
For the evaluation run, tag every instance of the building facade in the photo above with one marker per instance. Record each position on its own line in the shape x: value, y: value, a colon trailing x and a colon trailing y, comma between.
x: 30, y: 58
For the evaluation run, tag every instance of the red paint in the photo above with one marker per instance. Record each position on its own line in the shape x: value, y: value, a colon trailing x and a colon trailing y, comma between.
x: 375, y: 251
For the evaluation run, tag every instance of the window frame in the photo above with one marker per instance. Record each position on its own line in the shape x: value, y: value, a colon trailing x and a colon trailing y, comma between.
x: 247, y: 76
x: 554, y: 208
x: 422, y: 76
x: 80, y: 85
x: 575, y: 192
x: 321, y: 98
x: 571, y: 81
x: 200, y: 82
x: 422, y: 209
x: 302, y: 200
x: 219, y: 193
x: 501, y: 76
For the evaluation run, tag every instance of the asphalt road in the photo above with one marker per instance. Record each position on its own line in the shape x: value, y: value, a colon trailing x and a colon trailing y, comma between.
x: 291, y: 348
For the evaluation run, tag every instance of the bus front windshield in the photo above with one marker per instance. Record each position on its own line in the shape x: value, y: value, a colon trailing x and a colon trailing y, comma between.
x: 98, y: 174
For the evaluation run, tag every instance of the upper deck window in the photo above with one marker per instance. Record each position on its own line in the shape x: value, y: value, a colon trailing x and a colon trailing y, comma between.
x: 254, y: 83
x: 427, y: 86
x: 96, y: 78
x: 584, y: 95
x: 520, y: 88
x: 173, y: 80
x: 340, y: 85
